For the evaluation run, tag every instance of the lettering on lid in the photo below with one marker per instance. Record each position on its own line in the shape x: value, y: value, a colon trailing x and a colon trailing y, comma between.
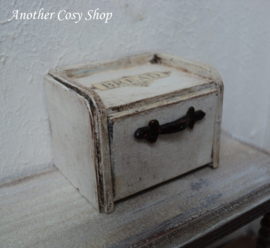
x: 142, y: 80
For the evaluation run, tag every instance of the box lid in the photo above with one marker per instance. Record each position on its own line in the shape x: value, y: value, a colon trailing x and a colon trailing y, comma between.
x: 132, y: 79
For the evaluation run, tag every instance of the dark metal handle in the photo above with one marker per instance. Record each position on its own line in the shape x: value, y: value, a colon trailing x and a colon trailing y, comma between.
x: 154, y: 129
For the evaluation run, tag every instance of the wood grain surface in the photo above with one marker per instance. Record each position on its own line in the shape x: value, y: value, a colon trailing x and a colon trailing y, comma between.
x: 45, y: 210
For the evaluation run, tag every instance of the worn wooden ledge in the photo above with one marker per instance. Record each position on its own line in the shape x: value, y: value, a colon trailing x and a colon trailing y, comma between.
x: 45, y: 210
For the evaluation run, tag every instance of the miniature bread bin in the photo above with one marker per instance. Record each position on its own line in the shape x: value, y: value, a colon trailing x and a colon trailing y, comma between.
x: 119, y: 127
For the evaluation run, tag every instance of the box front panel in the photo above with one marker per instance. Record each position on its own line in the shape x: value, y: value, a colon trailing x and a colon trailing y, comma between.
x: 139, y: 164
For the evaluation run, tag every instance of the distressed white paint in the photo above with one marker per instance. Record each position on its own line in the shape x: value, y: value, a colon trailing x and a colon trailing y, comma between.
x: 233, y: 36
x: 114, y: 97
x: 138, y: 165
x: 72, y: 136
x: 123, y: 165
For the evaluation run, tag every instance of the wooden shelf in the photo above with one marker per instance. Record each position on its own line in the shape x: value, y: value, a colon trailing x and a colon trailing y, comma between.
x: 45, y: 210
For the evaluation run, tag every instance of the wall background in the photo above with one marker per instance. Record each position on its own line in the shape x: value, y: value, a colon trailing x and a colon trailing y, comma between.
x: 233, y: 36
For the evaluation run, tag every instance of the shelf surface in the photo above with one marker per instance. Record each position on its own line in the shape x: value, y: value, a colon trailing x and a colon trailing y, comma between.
x: 45, y: 210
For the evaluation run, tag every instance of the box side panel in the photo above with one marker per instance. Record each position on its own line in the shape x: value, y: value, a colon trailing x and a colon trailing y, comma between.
x: 138, y: 164
x: 72, y: 138
x: 216, y: 141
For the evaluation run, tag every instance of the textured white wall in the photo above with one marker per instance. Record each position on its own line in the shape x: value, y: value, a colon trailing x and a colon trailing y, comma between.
x: 233, y: 36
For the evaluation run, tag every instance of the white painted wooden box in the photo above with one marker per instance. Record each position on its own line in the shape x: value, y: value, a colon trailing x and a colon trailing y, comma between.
x: 119, y: 127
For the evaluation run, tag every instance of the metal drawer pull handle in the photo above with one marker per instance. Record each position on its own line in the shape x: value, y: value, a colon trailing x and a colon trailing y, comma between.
x: 154, y: 129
